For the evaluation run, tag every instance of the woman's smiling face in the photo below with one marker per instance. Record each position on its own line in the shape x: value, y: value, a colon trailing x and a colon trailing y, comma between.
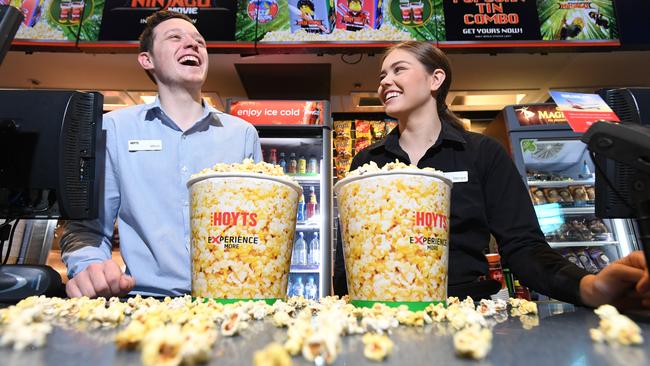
x: 404, y: 84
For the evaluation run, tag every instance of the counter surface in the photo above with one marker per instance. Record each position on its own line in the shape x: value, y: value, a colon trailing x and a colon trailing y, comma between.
x: 561, y: 338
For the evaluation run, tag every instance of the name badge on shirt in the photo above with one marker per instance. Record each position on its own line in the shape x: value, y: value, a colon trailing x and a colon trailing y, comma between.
x: 145, y: 145
x: 457, y: 177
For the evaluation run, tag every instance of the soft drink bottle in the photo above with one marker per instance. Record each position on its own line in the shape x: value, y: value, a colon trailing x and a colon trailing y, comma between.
x: 312, y: 206
x: 301, y: 208
x: 273, y: 158
x: 301, y: 250
x: 290, y: 288
x: 293, y: 164
x: 299, y: 288
x: 314, y: 250
x: 283, y: 162
x: 302, y: 165
x: 65, y: 10
x: 311, y: 291
x: 312, y: 165
x: 77, y: 11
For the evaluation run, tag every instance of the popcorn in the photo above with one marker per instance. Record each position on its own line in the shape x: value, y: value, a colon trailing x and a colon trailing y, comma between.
x: 272, y: 355
x: 615, y: 328
x: 386, y: 32
x: 395, y: 233
x: 377, y: 346
x: 522, y: 307
x: 529, y: 321
x: 247, y: 166
x: 231, y: 325
x: 324, y: 345
x: 181, y: 331
x: 242, y: 231
x: 473, y: 342
x: 23, y: 335
x: 163, y: 347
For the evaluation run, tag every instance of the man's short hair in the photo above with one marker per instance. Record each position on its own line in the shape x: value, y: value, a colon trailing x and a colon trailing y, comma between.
x: 153, y: 20
x: 146, y: 37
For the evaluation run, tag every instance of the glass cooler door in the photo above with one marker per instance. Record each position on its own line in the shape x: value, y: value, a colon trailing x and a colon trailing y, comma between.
x: 302, y: 158
x: 560, y: 178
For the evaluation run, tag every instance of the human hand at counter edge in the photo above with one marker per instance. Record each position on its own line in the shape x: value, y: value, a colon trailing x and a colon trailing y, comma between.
x: 100, y: 279
x: 625, y: 284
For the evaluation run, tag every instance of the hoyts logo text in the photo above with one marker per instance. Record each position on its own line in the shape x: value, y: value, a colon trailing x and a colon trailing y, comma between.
x: 165, y: 4
x: 233, y: 218
x: 431, y: 219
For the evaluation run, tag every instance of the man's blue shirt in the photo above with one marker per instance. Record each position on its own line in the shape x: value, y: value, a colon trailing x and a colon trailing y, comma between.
x: 145, y: 190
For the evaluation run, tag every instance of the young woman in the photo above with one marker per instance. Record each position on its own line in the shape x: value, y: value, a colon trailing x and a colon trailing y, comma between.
x: 413, y: 85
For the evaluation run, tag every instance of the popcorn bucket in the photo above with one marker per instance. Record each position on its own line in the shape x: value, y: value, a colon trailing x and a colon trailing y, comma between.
x: 242, y: 235
x: 395, y: 230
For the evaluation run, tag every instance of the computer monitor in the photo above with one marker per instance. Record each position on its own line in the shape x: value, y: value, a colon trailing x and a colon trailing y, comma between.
x: 51, y: 154
x: 10, y: 19
x: 631, y: 105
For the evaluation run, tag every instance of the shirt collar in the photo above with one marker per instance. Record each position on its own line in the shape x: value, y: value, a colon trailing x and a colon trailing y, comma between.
x: 447, y: 133
x: 210, y: 116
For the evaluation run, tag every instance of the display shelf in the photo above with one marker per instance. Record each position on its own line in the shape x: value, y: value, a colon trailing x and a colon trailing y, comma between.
x: 586, y: 210
x: 559, y: 183
x: 306, y: 178
x: 569, y: 244
x: 303, y: 270
x: 302, y: 226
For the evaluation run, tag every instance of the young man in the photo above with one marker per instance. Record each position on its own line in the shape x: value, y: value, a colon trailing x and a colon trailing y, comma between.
x: 151, y: 152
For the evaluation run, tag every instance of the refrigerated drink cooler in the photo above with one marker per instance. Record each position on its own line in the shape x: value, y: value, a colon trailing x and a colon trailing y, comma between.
x: 297, y: 135
x: 560, y: 176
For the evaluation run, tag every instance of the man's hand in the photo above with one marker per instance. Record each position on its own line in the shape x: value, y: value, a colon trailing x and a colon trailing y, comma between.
x: 624, y: 284
x: 100, y: 279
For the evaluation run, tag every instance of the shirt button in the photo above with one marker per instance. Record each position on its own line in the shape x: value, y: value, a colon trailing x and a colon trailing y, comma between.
x: 184, y: 169
x: 186, y: 203
x: 184, y: 137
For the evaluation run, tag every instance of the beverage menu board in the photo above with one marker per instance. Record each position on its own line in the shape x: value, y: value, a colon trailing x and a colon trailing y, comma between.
x: 59, y: 20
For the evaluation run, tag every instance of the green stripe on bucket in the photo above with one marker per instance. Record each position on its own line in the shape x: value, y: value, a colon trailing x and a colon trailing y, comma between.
x: 412, y: 305
x: 232, y: 301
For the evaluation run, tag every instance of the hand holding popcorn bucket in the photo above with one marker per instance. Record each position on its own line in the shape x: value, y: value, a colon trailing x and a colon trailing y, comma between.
x: 395, y: 230
x: 242, y: 234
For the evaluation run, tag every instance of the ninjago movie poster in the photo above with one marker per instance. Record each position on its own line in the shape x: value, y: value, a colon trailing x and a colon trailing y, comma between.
x: 577, y: 20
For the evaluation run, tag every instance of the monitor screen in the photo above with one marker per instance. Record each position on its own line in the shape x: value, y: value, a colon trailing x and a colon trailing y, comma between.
x: 631, y: 105
x: 51, y: 154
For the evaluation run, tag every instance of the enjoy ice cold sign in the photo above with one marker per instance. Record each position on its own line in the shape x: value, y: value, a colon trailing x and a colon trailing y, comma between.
x: 273, y: 112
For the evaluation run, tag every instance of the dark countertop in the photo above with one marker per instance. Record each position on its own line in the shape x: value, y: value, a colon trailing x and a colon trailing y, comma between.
x: 561, y: 338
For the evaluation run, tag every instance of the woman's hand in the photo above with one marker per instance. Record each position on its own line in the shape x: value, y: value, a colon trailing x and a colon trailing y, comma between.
x: 624, y: 284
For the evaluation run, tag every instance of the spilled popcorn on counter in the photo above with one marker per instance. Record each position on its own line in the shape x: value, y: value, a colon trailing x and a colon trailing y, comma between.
x: 272, y: 355
x: 615, y: 328
x: 473, y: 342
x: 376, y: 346
x: 183, y: 331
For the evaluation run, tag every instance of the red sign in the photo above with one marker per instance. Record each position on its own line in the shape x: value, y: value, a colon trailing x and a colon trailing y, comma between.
x: 276, y: 112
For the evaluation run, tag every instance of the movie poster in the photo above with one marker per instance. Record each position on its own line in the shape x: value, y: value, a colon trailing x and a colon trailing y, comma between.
x: 567, y: 20
x: 340, y: 20
x: 62, y: 20
x: 124, y: 20
x: 255, y: 18
x: 491, y: 20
